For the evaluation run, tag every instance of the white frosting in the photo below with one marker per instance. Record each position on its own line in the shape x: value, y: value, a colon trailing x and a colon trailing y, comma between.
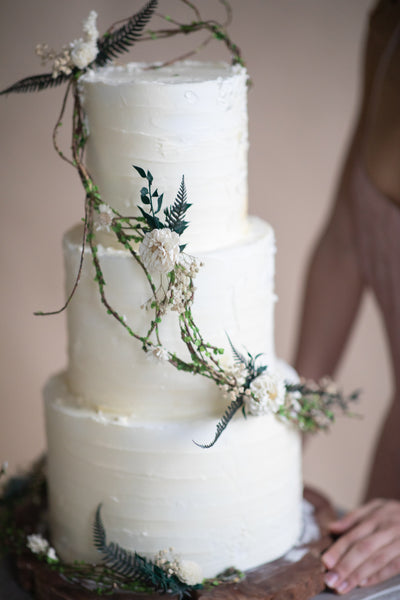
x: 238, y: 503
x: 108, y: 369
x: 186, y: 119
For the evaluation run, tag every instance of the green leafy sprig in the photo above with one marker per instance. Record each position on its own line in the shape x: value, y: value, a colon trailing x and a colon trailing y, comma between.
x: 316, y: 405
x: 133, y: 566
x: 174, y: 215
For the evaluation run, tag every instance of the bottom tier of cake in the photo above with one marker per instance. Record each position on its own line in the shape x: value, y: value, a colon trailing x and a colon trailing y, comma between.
x: 235, y: 504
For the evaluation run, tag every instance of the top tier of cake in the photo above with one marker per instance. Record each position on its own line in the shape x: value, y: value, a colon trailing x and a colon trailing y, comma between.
x: 138, y: 115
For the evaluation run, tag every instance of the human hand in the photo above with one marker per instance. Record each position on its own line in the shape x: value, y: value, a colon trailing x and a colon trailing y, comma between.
x: 368, y: 549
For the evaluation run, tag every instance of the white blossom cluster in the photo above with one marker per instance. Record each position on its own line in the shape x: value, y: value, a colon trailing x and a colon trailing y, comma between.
x: 39, y: 545
x: 187, y: 571
x: 180, y: 296
x: 84, y: 50
x: 235, y: 387
x: 267, y: 394
x: 103, y: 218
x: 62, y: 62
x: 80, y: 53
x: 158, y: 353
x: 159, y: 250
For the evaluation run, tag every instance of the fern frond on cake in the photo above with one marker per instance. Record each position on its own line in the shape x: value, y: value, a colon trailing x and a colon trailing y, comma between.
x: 175, y: 214
x: 115, y: 43
x: 134, y: 566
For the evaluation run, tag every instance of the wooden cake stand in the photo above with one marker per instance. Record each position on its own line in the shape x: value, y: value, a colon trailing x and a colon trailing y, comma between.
x: 282, y: 579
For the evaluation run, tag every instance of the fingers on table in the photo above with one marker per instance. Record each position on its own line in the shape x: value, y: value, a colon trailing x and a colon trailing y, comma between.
x: 367, y: 553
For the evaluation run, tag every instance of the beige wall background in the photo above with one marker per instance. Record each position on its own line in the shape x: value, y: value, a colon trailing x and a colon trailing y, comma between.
x: 304, y: 60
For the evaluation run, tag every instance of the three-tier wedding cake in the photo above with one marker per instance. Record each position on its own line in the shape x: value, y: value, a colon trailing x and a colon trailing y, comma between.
x: 121, y: 427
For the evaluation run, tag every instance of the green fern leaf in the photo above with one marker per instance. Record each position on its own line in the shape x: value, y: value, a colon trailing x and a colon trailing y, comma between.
x: 36, y: 83
x: 238, y: 357
x: 174, y: 215
x: 224, y: 422
x: 110, y: 46
x: 133, y: 566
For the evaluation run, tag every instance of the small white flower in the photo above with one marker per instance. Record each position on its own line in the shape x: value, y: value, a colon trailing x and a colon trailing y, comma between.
x: 268, y: 393
x: 84, y: 51
x: 89, y: 26
x: 51, y: 554
x: 103, y: 219
x: 159, y: 250
x: 159, y: 353
x: 189, y: 572
x: 329, y: 385
x: 37, y: 543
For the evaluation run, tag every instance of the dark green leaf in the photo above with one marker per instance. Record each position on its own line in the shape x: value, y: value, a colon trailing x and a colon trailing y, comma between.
x: 159, y: 204
x: 152, y: 222
x: 141, y: 171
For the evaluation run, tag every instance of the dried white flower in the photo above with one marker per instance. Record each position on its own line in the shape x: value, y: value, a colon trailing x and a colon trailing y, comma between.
x: 62, y: 62
x: 159, y: 250
x: 37, y: 543
x: 84, y: 51
x: 51, y: 554
x: 329, y: 385
x: 103, y: 219
x: 268, y: 393
x: 80, y: 53
x: 159, y: 353
x: 89, y: 26
x: 189, y: 572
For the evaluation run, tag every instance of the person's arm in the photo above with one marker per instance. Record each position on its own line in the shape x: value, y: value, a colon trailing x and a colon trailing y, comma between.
x: 333, y: 290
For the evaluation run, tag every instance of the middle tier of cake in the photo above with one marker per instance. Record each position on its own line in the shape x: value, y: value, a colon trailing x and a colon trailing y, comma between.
x: 108, y: 370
